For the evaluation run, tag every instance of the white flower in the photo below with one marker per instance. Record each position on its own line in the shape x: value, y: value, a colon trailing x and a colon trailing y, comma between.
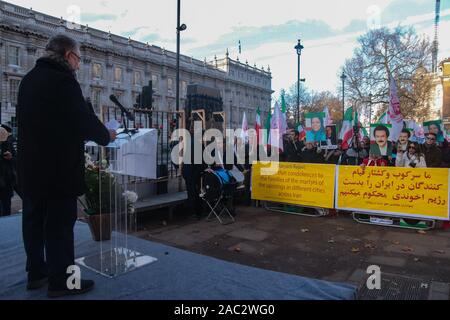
x: 131, y: 196
x: 88, y: 161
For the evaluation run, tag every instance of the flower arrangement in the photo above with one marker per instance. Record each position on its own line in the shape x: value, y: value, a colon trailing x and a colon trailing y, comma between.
x: 130, y: 199
x: 100, y: 186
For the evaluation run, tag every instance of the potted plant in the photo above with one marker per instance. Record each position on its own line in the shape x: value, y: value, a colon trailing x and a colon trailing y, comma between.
x: 99, y: 202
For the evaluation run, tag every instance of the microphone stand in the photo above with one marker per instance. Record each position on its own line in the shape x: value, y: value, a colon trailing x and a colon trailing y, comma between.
x: 127, y: 131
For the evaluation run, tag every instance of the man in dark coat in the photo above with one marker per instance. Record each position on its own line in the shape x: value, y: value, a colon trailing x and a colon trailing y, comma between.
x: 192, y: 172
x: 54, y: 121
x: 293, y: 148
x: 433, y: 155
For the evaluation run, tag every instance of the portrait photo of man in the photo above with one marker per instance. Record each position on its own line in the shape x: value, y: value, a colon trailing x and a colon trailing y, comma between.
x: 380, y: 144
x: 331, y: 138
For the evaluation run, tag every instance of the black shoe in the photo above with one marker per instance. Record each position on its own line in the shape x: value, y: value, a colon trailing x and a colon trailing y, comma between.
x: 36, y: 284
x: 85, y: 286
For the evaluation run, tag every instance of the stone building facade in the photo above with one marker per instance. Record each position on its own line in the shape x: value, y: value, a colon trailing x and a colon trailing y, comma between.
x: 116, y: 65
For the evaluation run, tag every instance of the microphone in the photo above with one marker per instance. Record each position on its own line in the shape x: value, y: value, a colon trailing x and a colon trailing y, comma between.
x: 129, y: 115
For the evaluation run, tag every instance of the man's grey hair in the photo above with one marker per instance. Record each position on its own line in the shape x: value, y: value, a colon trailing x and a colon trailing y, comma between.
x: 60, y: 44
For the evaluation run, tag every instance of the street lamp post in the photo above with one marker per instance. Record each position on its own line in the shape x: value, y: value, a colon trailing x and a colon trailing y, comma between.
x: 179, y: 29
x: 299, y: 49
x: 343, y: 77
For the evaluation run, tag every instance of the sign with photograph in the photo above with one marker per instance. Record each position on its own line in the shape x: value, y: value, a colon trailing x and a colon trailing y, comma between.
x: 436, y: 128
x: 379, y: 140
x: 315, y: 127
x: 331, y: 140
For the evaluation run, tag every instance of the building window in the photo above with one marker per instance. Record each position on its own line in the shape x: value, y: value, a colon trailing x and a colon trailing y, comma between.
x: 184, y: 89
x: 155, y: 82
x: 118, y: 74
x: 137, y: 79
x: 97, y: 71
x: 96, y: 99
x: 13, y: 56
x: 169, y: 85
x: 13, y: 90
x: 118, y: 94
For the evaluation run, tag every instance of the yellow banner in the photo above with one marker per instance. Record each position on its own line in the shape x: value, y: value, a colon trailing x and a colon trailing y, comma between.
x: 310, y: 185
x: 419, y: 193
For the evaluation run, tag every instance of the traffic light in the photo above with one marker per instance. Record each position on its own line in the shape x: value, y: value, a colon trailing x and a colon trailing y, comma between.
x: 146, y: 97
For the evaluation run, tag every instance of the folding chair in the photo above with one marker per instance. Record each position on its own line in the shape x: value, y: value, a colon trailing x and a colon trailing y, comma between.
x: 216, y: 192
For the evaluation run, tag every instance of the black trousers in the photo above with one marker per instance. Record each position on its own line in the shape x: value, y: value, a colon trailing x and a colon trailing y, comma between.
x: 194, y: 202
x: 48, y: 236
x: 5, y: 205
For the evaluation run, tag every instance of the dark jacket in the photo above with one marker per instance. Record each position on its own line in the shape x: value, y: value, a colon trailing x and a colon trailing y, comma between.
x: 8, y: 176
x: 292, y: 151
x: 53, y: 124
x: 192, y: 170
x: 433, y: 156
x: 311, y: 156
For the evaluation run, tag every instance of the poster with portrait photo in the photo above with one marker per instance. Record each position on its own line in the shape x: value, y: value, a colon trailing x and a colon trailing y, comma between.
x: 315, y: 128
x: 436, y: 128
x: 379, y: 140
x: 331, y: 141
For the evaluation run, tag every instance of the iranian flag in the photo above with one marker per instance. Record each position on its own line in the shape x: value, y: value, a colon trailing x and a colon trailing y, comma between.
x: 284, y: 109
x: 244, y: 133
x: 384, y: 119
x: 277, y: 128
x: 347, y: 124
x: 328, y: 120
x: 350, y: 122
x: 258, y: 126
x: 394, y: 112
x: 302, y: 132
x: 267, y: 128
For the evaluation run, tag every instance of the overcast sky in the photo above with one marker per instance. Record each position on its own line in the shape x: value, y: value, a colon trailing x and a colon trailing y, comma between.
x: 268, y: 30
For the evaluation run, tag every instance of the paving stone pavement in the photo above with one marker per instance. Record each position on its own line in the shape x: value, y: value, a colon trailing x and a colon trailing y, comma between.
x: 329, y: 248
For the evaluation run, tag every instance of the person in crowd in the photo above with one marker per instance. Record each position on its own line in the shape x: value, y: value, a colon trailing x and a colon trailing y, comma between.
x: 51, y: 104
x: 374, y: 160
x: 293, y: 147
x: 433, y: 155
x: 8, y: 177
x: 355, y: 154
x: 333, y: 156
x: 445, y: 149
x: 366, y: 141
x: 311, y: 154
x: 192, y: 171
x: 412, y: 158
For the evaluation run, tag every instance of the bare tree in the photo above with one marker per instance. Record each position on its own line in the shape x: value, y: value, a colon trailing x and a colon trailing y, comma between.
x: 311, y: 101
x: 399, y: 52
x: 290, y: 97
